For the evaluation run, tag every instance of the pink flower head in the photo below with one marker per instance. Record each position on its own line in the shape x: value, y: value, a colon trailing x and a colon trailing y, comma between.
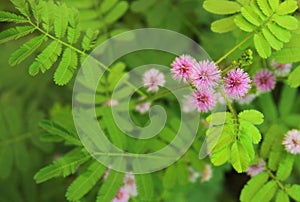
x: 264, y: 80
x: 182, y: 67
x: 130, y: 185
x: 292, y: 141
x: 152, y: 79
x: 203, y: 100
x: 281, y: 69
x: 143, y: 108
x: 255, y: 169
x: 205, y: 75
x: 111, y: 103
x: 237, y: 83
x: 121, y: 196
x: 206, y: 174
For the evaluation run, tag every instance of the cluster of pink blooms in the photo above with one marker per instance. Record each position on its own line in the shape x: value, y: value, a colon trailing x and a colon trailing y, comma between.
x: 205, y: 77
x: 292, y: 141
x: 255, y: 169
x: 129, y: 189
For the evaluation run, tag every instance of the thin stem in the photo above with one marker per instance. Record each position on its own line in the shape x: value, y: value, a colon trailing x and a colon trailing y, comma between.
x: 280, y: 185
x: 84, y: 54
x: 234, y: 48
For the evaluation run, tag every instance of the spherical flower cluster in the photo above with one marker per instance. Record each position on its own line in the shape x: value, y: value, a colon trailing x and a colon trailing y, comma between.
x: 281, y: 69
x: 205, y: 75
x: 264, y: 80
x: 128, y: 189
x: 237, y: 83
x: 152, y: 79
x: 292, y: 141
x: 182, y: 67
x: 207, y: 173
x: 255, y: 169
x: 204, y: 100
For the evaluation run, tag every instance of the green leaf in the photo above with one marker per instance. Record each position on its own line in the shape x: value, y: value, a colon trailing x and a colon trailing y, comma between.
x: 46, y: 59
x: 265, y: 7
x: 220, y: 157
x: 274, y: 4
x: 170, y: 177
x: 73, y: 35
x: 250, y: 15
x: 253, y: 186
x: 294, y: 77
x: 239, y: 157
x: 111, y: 186
x: 62, y: 167
x: 22, y: 6
x: 288, y: 55
x: 253, y: 116
x: 285, y: 167
x: 11, y: 17
x: 286, y: 21
x: 116, y: 13
x: 288, y: 6
x: 85, y: 181
x: 219, y: 118
x: 89, y: 38
x: 221, y: 6
x: 266, y: 192
x: 250, y: 130
x: 294, y: 192
x: 26, y: 50
x: 61, y: 20
x: 282, y: 197
x: 281, y: 33
x: 223, y: 25
x: 65, y: 69
x: 15, y: 33
x: 262, y: 46
x: 273, y: 41
x: 145, y: 186
x: 243, y: 24
x: 57, y: 130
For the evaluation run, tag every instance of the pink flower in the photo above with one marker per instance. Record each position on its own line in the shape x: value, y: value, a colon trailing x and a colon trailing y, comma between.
x: 121, y: 196
x: 203, y: 100
x: 187, y: 104
x: 111, y: 103
x: 130, y: 185
x: 152, y: 79
x: 205, y: 75
x: 193, y: 175
x: 237, y: 83
x: 143, y: 108
x: 292, y: 141
x: 206, y: 174
x: 281, y: 69
x: 264, y: 80
x: 182, y: 67
x: 255, y: 169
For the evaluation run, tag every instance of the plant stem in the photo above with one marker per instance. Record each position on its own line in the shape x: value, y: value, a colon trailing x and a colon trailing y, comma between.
x: 234, y: 48
x: 84, y: 54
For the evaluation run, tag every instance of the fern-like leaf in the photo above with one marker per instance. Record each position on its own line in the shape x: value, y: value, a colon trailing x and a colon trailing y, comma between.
x: 85, y: 181
x: 46, y: 59
x: 111, y: 186
x: 11, y: 17
x: 62, y: 167
x: 15, y: 33
x: 253, y: 186
x: 65, y: 70
x: 26, y: 50
x: 61, y: 20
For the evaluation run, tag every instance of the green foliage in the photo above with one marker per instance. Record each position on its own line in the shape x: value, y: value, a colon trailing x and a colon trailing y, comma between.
x: 268, y: 21
x: 294, y: 78
x: 229, y: 140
